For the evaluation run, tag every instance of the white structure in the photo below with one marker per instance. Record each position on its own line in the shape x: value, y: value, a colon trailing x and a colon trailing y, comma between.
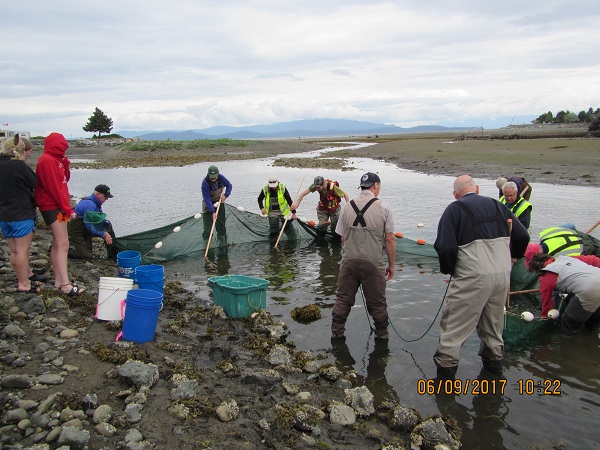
x: 10, y: 133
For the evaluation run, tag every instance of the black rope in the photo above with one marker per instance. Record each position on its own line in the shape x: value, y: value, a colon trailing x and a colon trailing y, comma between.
x: 394, y: 328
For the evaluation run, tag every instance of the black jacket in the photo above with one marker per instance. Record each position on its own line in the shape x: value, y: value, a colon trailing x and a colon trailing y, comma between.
x: 456, y: 228
x: 17, y: 182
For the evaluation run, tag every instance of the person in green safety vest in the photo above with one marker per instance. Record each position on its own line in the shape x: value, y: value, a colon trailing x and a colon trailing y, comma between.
x: 566, y: 240
x: 275, y: 202
x: 520, y: 207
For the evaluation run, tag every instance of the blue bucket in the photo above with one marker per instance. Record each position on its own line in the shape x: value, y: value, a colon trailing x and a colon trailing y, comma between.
x: 151, y: 277
x: 127, y: 262
x: 141, y: 315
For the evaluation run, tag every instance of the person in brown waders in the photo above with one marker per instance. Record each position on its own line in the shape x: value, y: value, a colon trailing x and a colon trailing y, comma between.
x: 366, y: 224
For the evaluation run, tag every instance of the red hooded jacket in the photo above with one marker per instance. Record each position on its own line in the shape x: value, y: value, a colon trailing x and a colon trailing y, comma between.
x: 53, y: 173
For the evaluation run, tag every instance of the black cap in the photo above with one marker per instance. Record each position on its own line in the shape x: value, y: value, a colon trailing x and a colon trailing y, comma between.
x: 369, y: 179
x: 104, y: 189
x: 319, y: 180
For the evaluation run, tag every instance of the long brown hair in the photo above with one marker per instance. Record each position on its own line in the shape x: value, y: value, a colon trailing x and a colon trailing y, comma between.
x: 538, y: 261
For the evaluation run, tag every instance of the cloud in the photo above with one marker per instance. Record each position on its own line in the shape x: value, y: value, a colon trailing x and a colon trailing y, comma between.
x: 193, y: 64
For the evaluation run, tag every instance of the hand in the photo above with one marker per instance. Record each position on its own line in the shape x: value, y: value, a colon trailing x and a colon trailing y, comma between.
x: 214, y: 216
x: 223, y: 198
x: 73, y: 216
x: 107, y: 238
x: 389, y: 273
x: 262, y: 211
x: 293, y: 216
x: 294, y: 205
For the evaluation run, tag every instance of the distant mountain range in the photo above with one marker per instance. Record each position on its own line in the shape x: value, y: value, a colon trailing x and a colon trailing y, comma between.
x: 294, y: 129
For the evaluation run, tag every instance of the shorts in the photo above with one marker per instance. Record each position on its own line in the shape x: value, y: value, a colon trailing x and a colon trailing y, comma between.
x: 18, y: 228
x: 53, y: 215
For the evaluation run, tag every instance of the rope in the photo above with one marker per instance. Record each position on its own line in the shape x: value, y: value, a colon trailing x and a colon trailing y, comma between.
x: 259, y: 301
x: 391, y: 323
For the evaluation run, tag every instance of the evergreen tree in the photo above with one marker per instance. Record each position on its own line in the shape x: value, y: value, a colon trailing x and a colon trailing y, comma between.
x: 99, y: 122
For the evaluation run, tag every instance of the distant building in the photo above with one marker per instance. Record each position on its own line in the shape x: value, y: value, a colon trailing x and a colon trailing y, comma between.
x: 10, y: 133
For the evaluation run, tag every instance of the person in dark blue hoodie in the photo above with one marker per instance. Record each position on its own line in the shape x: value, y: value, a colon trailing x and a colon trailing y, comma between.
x: 90, y: 222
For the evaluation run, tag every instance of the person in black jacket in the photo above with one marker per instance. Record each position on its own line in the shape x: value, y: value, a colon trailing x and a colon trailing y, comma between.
x: 17, y: 207
x: 478, y: 241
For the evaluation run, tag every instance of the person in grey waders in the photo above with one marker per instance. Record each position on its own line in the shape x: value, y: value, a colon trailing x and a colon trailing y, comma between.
x: 366, y: 225
x: 475, y: 244
x: 215, y: 188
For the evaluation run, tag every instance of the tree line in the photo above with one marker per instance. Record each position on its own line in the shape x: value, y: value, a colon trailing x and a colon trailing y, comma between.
x: 568, y: 116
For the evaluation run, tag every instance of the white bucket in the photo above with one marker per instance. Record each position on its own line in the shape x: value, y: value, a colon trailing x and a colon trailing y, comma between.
x: 111, y: 292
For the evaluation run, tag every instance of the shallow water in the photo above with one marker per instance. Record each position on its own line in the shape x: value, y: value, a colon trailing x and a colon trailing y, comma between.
x: 304, y: 273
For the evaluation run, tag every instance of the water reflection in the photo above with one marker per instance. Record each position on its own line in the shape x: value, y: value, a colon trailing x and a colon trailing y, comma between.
x: 375, y: 378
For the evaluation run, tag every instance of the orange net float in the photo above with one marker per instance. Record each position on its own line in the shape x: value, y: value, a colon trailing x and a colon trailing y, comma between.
x: 399, y: 235
x: 421, y: 241
x: 311, y: 223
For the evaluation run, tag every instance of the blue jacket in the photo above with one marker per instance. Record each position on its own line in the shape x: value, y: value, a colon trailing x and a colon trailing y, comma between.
x: 208, y: 186
x: 90, y: 203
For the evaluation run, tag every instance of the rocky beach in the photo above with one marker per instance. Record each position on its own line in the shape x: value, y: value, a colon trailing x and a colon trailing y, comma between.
x: 205, y: 381
x: 208, y: 381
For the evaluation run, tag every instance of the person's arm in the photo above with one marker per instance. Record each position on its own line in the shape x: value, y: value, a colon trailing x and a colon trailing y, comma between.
x: 300, y: 197
x: 547, y: 284
x: 48, y: 175
x: 390, y: 250
x: 261, y: 198
x: 228, y: 188
x: 288, y: 199
x: 446, y: 243
x: 206, y: 196
x: 81, y: 208
x: 592, y: 260
x: 519, y: 237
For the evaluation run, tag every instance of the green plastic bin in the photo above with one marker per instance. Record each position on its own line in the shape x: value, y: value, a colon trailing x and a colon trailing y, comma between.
x: 239, y: 295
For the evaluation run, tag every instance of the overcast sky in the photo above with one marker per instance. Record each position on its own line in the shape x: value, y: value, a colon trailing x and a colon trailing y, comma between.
x: 160, y: 65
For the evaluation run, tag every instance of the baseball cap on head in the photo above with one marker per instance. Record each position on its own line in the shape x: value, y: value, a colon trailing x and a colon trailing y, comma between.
x: 369, y: 179
x: 213, y: 172
x: 319, y: 180
x: 104, y: 189
x: 273, y: 182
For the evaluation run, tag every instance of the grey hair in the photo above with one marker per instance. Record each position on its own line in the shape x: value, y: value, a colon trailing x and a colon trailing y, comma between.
x: 510, y: 185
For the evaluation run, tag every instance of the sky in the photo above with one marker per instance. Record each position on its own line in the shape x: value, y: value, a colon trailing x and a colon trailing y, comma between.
x: 180, y: 65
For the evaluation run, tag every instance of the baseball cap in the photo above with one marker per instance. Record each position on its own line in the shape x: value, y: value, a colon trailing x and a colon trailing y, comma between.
x: 532, y: 249
x: 319, y: 180
x: 273, y: 182
x: 104, y: 189
x: 369, y: 179
x: 213, y: 172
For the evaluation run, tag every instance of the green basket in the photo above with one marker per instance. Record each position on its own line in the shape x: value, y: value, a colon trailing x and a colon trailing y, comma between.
x: 239, y: 295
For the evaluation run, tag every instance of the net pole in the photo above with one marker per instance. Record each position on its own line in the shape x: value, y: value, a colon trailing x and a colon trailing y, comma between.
x: 507, y: 303
x: 212, y: 229
x: 286, y: 219
x: 593, y: 228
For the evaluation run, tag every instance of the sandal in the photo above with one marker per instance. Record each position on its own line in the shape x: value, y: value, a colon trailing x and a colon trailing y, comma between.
x: 38, y: 277
x: 34, y: 289
x: 75, y: 290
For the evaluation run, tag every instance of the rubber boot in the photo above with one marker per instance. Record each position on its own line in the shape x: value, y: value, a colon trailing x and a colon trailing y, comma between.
x: 338, y: 327
x: 593, y: 323
x: 493, y: 366
x: 568, y: 325
x: 446, y: 373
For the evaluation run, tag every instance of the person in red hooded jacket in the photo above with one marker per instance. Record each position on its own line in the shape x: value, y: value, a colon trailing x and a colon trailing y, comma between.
x: 53, y: 200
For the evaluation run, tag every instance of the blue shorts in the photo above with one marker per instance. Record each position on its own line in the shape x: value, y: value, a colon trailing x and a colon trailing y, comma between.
x: 17, y: 229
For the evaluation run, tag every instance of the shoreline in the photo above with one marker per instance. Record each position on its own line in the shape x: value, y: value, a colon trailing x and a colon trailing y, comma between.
x: 556, y: 155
